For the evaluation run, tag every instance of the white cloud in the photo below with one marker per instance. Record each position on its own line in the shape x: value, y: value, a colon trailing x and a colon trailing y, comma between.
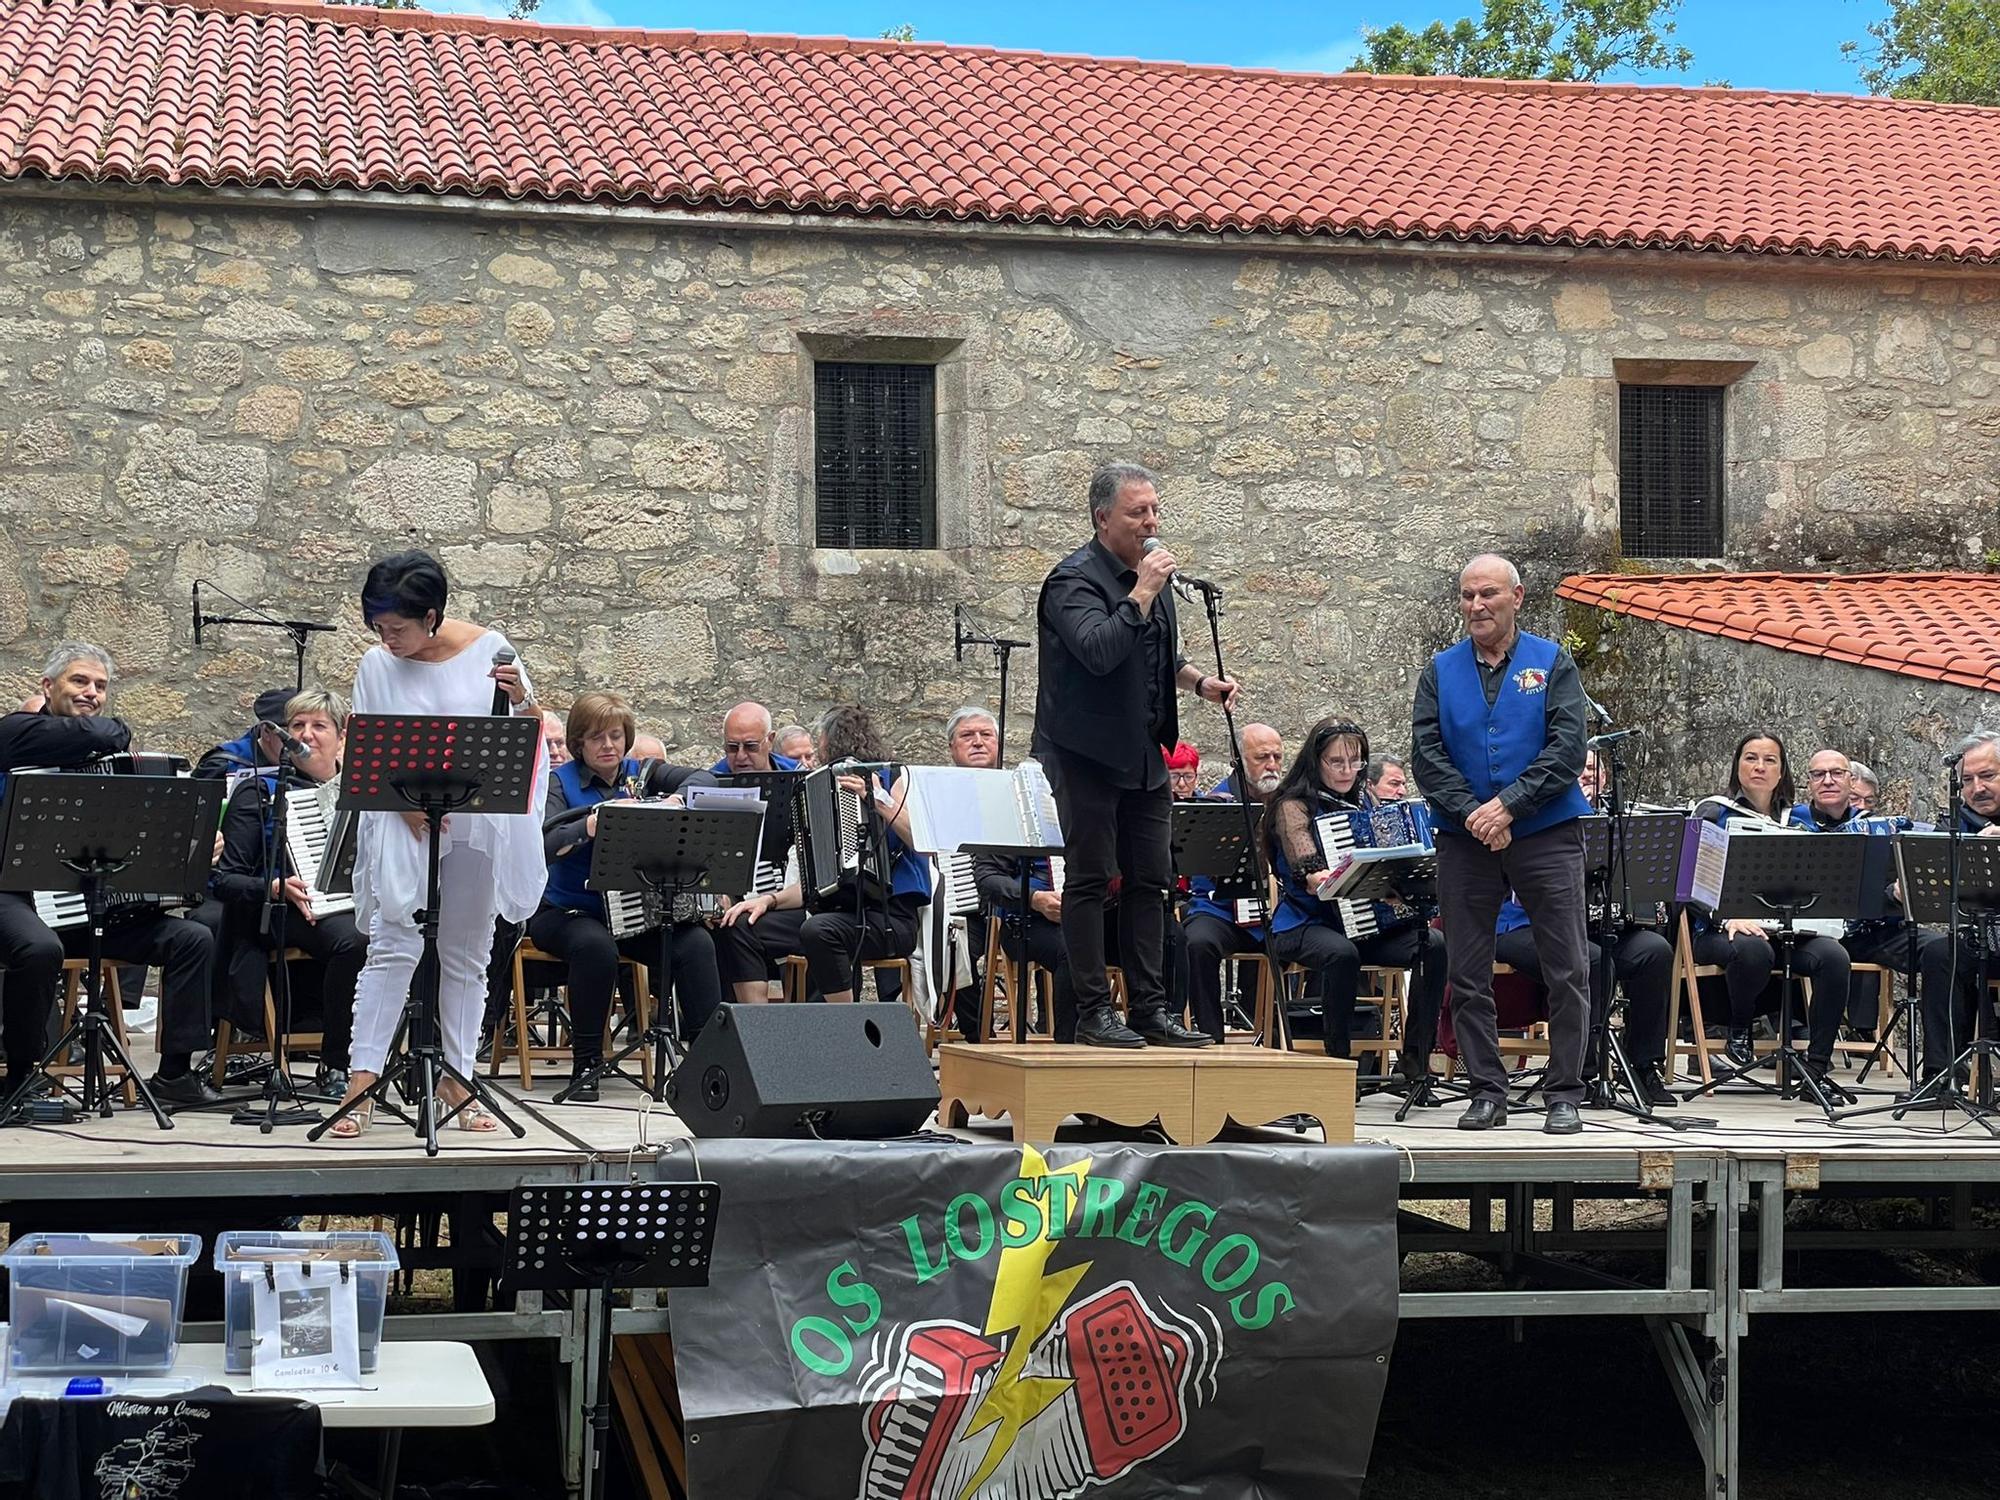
x: 1334, y: 57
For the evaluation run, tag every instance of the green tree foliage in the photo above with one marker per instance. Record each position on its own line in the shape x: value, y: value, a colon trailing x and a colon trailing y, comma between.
x: 904, y: 33
x: 1568, y: 41
x: 519, y: 10
x: 1947, y: 50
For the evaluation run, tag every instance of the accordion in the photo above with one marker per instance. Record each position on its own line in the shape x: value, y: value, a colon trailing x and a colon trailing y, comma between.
x: 1352, y: 837
x: 629, y: 913
x: 839, y: 847
x: 319, y: 840
x: 1125, y: 1377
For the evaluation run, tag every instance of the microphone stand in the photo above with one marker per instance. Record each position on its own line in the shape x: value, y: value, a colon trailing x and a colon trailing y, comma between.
x: 1211, y: 599
x: 280, y: 1103
x: 1001, y: 648
x: 300, y: 631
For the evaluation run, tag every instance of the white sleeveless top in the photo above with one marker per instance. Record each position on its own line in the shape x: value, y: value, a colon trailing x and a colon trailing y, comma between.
x: 391, y: 868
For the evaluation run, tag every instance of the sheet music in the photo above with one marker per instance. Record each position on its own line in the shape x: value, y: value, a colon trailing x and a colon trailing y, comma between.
x: 952, y: 806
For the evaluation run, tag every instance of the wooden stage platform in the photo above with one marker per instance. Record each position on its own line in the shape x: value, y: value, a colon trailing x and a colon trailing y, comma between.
x: 1699, y: 1231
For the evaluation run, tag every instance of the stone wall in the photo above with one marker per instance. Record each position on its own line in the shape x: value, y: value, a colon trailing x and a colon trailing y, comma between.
x: 1697, y: 695
x: 605, y: 431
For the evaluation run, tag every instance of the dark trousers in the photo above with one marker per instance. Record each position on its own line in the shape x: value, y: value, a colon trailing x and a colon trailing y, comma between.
x: 1210, y: 940
x: 1111, y: 831
x: 591, y: 953
x: 1337, y: 960
x: 745, y: 951
x: 1545, y: 872
x: 1947, y: 1007
x: 335, y: 941
x: 32, y: 958
x: 1747, y: 963
x: 182, y: 949
x: 1642, y: 963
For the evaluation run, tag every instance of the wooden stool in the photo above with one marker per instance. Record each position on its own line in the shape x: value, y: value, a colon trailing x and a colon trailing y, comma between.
x: 1885, y: 1010
x: 295, y: 1042
x: 792, y: 969
x: 1193, y: 1093
x: 527, y: 1050
x: 114, y: 1001
x: 1018, y: 982
x: 1686, y: 984
x: 1263, y: 990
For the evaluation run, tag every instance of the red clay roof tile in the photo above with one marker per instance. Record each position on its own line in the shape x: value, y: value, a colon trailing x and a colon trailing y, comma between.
x: 1944, y: 627
x: 268, y: 92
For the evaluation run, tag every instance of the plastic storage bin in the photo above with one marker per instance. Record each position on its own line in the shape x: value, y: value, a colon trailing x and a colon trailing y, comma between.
x: 84, y: 1304
x: 370, y: 1256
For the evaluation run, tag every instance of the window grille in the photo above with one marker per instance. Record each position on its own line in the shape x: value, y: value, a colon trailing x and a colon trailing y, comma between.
x: 1670, y: 470
x: 874, y: 455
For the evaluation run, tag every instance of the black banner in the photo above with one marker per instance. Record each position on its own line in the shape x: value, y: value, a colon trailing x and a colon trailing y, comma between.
x: 920, y: 1321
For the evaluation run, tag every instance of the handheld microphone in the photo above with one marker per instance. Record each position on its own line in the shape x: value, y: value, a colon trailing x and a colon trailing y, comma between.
x: 1182, y: 581
x: 502, y: 704
x: 1616, y: 735
x: 297, y: 749
x: 197, y: 611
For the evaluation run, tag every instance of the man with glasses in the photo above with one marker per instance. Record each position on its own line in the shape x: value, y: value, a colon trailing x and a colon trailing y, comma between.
x: 749, y: 742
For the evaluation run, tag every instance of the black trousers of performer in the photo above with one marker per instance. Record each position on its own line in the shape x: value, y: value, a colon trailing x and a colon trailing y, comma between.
x: 745, y: 951
x: 591, y: 953
x: 338, y: 944
x: 1642, y: 963
x: 1337, y: 961
x: 1946, y: 1006
x: 1114, y: 830
x: 1747, y: 963
x: 1210, y: 941
x: 1545, y: 872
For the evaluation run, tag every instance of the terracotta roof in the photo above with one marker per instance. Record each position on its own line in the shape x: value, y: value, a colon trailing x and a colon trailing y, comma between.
x: 1941, y: 626
x: 239, y: 93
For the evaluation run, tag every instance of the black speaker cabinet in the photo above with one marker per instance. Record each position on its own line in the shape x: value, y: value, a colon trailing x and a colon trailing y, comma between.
x: 839, y: 1072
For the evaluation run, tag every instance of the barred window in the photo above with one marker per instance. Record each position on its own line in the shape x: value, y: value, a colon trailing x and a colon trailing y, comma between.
x: 874, y: 455
x: 1670, y: 470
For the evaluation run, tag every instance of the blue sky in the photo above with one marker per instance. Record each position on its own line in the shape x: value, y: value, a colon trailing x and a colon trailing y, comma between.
x: 1779, y: 44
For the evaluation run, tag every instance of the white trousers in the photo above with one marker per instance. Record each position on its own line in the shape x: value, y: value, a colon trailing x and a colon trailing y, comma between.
x: 465, y: 942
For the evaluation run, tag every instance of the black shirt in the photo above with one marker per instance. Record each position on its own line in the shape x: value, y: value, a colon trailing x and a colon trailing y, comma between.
x: 1442, y: 783
x: 1076, y: 611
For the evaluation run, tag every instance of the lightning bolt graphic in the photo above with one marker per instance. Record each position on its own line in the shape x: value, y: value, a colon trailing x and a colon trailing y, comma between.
x: 1026, y: 1301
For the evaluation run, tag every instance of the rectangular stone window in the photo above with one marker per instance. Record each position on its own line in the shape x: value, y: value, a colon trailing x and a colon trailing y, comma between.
x: 874, y: 455
x: 1670, y: 470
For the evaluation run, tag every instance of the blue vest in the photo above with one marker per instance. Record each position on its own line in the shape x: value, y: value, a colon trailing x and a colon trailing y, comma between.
x: 569, y: 876
x: 910, y: 872
x: 1491, y: 747
x: 1512, y: 915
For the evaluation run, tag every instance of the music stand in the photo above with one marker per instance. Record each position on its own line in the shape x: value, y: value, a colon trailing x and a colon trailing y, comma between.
x: 1925, y: 867
x: 666, y: 852
x: 280, y: 1102
x: 435, y: 764
x: 598, y: 1236
x: 780, y: 792
x: 96, y: 835
x: 1214, y: 841
x: 1788, y: 876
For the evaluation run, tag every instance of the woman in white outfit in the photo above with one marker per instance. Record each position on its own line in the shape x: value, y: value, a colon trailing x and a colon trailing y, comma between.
x: 490, y: 865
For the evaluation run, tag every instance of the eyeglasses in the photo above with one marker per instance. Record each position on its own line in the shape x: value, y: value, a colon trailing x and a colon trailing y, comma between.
x: 1826, y: 775
x: 745, y: 747
x: 1341, y: 763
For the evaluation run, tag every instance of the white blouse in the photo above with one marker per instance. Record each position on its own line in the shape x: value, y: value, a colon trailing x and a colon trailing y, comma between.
x: 391, y: 866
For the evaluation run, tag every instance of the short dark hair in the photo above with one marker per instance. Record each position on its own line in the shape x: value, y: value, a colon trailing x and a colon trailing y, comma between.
x: 410, y: 584
x: 592, y: 713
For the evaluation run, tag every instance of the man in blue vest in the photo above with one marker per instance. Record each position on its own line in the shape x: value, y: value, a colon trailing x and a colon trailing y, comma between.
x: 1497, y: 730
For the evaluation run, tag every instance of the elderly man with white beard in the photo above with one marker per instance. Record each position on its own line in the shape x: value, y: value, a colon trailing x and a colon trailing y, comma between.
x: 1213, y: 933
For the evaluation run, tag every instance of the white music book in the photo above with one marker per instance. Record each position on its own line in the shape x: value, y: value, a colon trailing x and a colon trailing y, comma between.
x: 954, y: 806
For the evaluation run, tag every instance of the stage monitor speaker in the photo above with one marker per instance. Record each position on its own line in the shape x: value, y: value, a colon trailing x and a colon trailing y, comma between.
x: 836, y: 1072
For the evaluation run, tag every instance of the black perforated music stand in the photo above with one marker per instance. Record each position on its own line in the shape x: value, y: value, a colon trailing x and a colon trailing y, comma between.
x: 97, y: 835
x: 434, y: 764
x: 1789, y: 876
x: 1639, y: 860
x: 1210, y: 840
x: 598, y: 1236
x: 667, y: 852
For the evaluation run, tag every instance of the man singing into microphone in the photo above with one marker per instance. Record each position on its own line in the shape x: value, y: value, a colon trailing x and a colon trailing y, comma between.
x: 1104, y: 710
x: 1497, y: 735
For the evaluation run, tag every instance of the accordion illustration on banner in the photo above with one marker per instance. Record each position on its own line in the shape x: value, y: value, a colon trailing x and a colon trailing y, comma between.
x: 1353, y: 837
x: 1126, y: 1374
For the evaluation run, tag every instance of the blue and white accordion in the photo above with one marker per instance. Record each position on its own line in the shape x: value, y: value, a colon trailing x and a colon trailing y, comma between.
x: 1352, y: 838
